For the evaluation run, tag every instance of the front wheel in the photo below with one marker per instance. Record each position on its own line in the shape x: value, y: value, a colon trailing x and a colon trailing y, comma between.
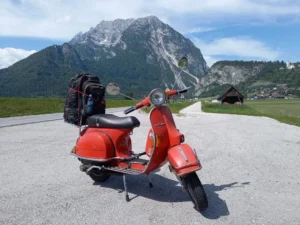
x: 196, y: 191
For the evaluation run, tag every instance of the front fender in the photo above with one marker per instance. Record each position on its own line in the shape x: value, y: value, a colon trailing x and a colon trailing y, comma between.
x: 183, y: 159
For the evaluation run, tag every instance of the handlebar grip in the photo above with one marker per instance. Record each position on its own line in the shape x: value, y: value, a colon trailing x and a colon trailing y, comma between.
x: 129, y: 110
x: 182, y: 91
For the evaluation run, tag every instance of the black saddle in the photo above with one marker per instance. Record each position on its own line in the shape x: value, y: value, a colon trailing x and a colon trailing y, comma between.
x: 112, y: 121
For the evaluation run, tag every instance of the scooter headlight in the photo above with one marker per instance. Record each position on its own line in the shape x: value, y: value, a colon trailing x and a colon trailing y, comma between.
x: 157, y: 97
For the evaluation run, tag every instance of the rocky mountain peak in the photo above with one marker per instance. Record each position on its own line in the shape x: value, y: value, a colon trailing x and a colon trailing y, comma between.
x: 115, y: 25
x: 105, y: 33
x: 109, y: 32
x: 153, y: 20
x: 156, y: 42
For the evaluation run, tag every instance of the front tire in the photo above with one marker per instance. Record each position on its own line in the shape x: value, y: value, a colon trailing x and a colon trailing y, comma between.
x: 196, y: 191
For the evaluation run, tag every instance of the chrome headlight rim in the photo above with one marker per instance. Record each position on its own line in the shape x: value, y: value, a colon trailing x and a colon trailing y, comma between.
x: 152, y: 97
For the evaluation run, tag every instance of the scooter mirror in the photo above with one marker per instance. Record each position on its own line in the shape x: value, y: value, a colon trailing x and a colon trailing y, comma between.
x: 112, y: 89
x: 183, y: 62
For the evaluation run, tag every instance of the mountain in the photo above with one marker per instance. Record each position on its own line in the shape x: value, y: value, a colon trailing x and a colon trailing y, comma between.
x: 45, y: 73
x: 227, y: 73
x: 249, y: 77
x: 139, y: 54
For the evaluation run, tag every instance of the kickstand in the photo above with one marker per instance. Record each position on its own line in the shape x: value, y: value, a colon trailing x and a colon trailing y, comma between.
x: 150, y: 182
x: 125, y: 188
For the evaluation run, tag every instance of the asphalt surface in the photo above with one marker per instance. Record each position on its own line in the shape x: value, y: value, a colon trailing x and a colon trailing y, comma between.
x: 251, y: 174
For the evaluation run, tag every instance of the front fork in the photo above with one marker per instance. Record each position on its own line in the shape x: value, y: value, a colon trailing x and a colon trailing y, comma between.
x: 178, y: 178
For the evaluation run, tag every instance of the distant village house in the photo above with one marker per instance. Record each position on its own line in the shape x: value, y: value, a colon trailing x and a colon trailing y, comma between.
x: 231, y: 96
x: 289, y: 65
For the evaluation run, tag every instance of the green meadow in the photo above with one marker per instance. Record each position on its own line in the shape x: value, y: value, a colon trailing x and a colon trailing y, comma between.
x: 283, y: 110
x: 33, y: 106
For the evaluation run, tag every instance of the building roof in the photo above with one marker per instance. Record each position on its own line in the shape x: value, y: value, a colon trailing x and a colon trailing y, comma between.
x: 231, y: 92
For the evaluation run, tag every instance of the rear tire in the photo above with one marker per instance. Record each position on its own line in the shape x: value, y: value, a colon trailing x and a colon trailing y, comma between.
x: 99, y: 176
x: 96, y: 175
x: 196, y: 191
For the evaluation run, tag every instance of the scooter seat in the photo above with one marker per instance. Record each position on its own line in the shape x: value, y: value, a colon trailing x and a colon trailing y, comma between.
x: 112, y: 121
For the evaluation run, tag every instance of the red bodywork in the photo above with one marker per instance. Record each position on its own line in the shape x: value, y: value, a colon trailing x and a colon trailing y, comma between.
x: 164, y: 143
x: 183, y: 159
x: 104, y: 143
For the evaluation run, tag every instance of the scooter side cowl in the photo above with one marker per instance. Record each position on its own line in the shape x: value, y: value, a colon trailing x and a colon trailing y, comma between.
x: 95, y: 144
x: 183, y: 159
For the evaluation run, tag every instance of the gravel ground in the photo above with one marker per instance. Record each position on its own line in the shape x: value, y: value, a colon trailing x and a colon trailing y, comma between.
x: 251, y: 174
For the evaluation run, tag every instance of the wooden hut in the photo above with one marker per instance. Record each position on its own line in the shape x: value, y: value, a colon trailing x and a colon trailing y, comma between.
x: 232, y: 96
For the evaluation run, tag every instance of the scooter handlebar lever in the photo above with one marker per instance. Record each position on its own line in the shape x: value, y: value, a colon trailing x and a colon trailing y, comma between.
x: 182, y: 91
x: 129, y: 110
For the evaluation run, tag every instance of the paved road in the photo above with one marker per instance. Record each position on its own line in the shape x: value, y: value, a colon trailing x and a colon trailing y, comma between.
x: 251, y: 174
x: 21, y: 120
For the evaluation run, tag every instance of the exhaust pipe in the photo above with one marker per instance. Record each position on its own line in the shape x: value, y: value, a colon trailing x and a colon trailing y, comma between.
x: 87, y: 170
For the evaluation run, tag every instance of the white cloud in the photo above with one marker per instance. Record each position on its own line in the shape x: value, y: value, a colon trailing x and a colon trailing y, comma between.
x: 210, y: 60
x: 9, y: 56
x: 237, y: 46
x: 62, y: 19
x: 198, y: 30
x: 255, y: 8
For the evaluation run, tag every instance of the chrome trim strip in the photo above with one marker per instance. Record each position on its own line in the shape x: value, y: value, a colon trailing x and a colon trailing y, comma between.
x: 183, y: 155
x: 194, y: 150
x: 115, y: 169
x: 97, y: 160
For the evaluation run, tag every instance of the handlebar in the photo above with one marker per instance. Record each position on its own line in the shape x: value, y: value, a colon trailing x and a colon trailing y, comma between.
x: 175, y: 92
x: 129, y: 110
x: 146, y: 101
x: 182, y: 91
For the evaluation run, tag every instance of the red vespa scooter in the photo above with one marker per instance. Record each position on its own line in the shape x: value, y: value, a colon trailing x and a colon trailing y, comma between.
x: 104, y: 146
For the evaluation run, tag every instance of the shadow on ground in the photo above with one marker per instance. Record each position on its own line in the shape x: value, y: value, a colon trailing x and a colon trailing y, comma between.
x: 167, y: 190
x: 217, y: 207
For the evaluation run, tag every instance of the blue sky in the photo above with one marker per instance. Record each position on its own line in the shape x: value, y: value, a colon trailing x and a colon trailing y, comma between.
x: 223, y: 30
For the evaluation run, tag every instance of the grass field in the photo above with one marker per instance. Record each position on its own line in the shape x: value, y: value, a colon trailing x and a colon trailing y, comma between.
x: 286, y: 111
x: 119, y: 103
x: 29, y: 106
x: 33, y: 106
x: 283, y: 110
x: 174, y: 107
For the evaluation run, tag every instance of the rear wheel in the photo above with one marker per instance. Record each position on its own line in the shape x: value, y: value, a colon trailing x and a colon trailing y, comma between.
x: 196, y: 191
x: 95, y: 174
x: 99, y: 176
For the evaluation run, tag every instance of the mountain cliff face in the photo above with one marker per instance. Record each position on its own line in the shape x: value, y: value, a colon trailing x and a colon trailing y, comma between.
x: 146, y: 40
x: 45, y: 73
x: 139, y: 54
x: 249, y: 77
x: 225, y: 72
